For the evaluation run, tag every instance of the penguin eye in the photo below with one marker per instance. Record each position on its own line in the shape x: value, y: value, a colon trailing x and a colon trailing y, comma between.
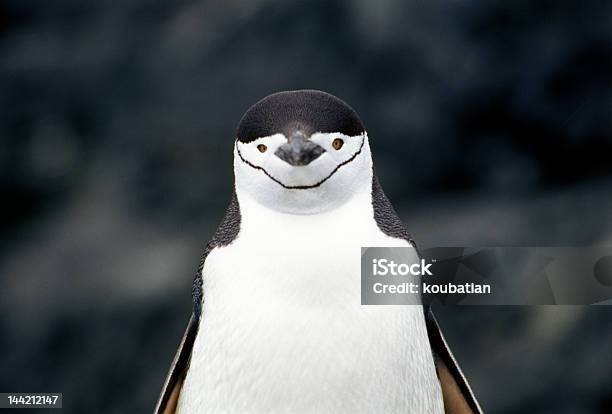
x: 262, y: 148
x: 337, y: 144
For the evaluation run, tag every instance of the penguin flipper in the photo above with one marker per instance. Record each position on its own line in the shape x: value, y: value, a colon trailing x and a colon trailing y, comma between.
x: 456, y: 392
x: 171, y: 390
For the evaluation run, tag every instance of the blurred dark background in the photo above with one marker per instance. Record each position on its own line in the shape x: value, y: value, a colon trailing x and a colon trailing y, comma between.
x: 490, y: 124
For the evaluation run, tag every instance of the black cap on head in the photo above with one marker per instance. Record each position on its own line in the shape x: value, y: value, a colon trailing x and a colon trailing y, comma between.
x: 308, y: 111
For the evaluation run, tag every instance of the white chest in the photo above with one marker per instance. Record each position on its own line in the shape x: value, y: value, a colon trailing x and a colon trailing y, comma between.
x: 283, y: 330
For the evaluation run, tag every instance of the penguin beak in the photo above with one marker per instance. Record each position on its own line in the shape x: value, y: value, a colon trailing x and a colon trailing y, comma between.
x: 298, y: 150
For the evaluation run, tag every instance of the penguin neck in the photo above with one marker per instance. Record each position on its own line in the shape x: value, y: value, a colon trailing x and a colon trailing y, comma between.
x: 338, y: 224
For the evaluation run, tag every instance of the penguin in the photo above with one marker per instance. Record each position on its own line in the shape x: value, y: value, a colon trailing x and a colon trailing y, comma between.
x: 277, y: 323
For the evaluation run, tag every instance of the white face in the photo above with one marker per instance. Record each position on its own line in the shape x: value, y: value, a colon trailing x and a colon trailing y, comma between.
x: 321, y: 184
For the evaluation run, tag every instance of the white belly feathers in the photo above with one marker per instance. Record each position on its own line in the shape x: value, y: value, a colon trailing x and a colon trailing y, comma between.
x: 283, y: 330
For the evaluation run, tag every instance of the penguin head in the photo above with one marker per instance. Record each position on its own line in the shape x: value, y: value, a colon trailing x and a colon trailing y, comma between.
x: 301, y: 152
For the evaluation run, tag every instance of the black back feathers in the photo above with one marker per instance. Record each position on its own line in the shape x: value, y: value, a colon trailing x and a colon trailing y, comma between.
x: 309, y: 111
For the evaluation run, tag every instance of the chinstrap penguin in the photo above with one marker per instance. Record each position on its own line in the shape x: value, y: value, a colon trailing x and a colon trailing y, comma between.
x: 277, y: 323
